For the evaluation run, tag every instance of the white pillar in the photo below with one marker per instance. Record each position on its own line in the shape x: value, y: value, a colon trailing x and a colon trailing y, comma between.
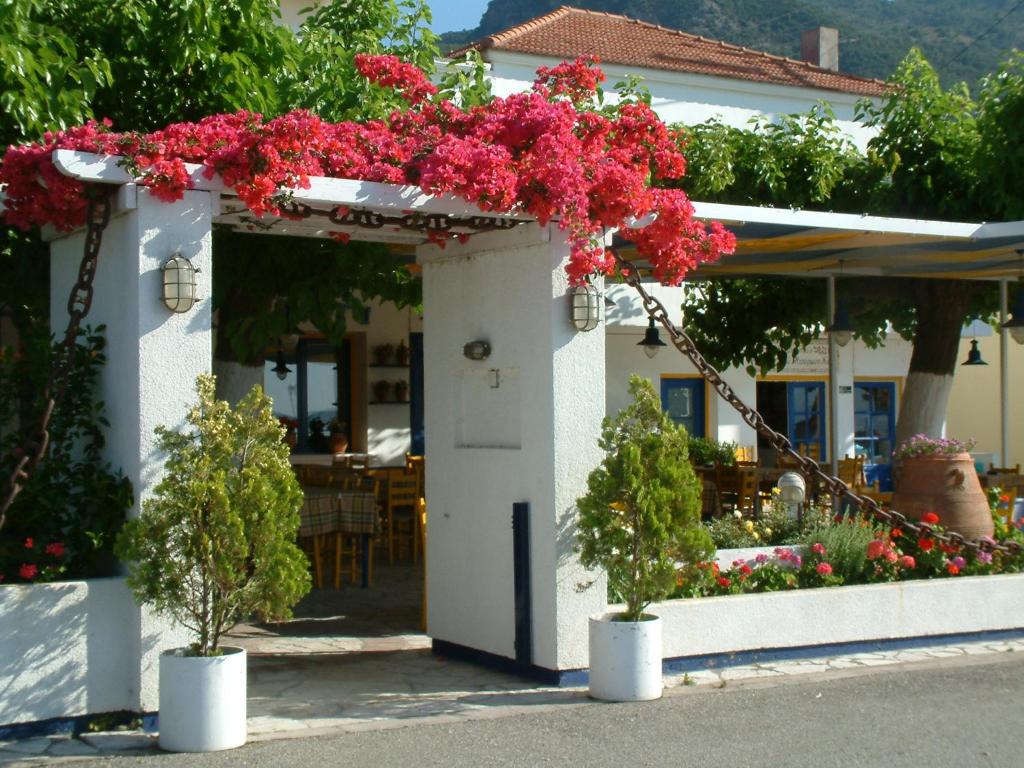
x: 1004, y: 377
x: 153, y: 358
x: 520, y: 426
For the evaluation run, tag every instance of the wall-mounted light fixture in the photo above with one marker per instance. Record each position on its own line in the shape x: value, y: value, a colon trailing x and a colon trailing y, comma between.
x: 651, y: 341
x: 281, y: 370
x: 585, y: 307
x: 178, y: 292
x: 477, y: 350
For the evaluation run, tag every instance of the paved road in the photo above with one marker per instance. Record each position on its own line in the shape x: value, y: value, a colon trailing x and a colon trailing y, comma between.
x: 962, y: 712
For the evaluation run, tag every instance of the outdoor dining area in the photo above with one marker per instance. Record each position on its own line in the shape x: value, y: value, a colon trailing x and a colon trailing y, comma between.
x: 350, y: 510
x: 744, y: 485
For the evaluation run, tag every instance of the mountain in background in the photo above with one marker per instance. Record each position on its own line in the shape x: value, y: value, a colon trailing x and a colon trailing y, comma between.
x: 963, y: 39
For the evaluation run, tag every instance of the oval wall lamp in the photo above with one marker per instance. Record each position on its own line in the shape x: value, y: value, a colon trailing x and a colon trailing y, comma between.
x: 178, y: 291
x: 477, y: 350
x: 585, y: 307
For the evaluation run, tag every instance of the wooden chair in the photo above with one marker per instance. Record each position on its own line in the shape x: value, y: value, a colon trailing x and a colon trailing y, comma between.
x: 1014, y: 470
x: 1005, y: 508
x: 744, y: 453
x: 399, y: 512
x: 737, y: 484
x: 851, y: 472
x: 421, y: 521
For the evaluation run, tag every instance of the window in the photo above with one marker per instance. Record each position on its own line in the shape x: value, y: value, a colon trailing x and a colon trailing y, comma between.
x: 806, y: 409
x: 683, y: 401
x: 874, y: 414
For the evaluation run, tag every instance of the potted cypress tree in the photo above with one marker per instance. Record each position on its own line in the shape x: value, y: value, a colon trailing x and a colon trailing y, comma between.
x: 216, y: 543
x: 639, y: 519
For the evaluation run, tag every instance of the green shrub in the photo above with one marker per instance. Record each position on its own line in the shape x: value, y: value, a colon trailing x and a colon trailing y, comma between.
x: 641, y: 514
x: 705, y: 451
x: 216, y: 542
x: 846, y: 546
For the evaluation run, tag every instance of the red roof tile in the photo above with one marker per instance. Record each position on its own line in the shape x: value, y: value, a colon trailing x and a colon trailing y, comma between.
x: 570, y: 32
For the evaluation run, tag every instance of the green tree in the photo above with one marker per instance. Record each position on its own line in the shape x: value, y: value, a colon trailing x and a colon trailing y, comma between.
x: 216, y: 542
x: 925, y: 161
x: 640, y: 517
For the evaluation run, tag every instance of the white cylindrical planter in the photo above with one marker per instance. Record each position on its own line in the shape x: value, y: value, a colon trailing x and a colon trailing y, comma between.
x: 202, y: 701
x: 625, y: 658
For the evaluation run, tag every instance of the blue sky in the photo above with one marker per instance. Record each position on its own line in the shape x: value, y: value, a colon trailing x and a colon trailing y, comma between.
x: 456, y: 14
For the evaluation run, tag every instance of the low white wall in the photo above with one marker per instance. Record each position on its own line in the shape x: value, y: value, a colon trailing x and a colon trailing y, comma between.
x: 68, y: 650
x: 809, y: 617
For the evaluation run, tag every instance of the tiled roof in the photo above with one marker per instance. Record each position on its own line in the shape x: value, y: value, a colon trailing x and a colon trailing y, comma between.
x: 570, y: 32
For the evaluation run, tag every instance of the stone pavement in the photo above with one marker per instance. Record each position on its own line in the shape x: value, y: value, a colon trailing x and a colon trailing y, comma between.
x: 354, y: 660
x: 378, y: 687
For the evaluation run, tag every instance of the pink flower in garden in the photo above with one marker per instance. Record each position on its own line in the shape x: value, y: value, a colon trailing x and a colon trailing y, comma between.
x: 797, y: 560
x: 891, y: 556
x: 984, y: 557
x: 761, y: 558
x: 818, y: 548
x: 907, y: 561
x: 824, y: 569
x: 876, y: 548
x: 28, y: 571
x: 959, y: 562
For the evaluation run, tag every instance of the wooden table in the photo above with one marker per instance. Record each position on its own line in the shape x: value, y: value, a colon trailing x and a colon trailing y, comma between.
x: 331, y: 459
x: 328, y: 510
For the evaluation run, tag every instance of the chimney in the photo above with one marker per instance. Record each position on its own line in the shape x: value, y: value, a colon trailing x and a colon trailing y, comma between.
x: 820, y: 47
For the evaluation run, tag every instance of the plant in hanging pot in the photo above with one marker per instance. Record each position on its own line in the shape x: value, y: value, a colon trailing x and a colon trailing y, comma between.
x: 937, y: 474
x: 216, y: 543
x: 639, y: 519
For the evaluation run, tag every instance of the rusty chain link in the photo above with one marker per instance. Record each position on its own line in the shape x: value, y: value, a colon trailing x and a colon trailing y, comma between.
x: 79, y: 303
x: 780, y: 442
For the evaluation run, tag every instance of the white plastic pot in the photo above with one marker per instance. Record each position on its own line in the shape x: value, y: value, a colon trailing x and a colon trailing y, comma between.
x: 625, y: 658
x: 202, y: 701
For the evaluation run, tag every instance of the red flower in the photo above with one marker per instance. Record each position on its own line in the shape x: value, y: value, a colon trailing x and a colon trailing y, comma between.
x: 929, y: 517
x: 824, y: 569
x: 925, y: 544
x: 55, y: 549
x: 908, y: 561
x: 746, y: 569
x: 723, y: 582
x: 818, y: 548
x: 952, y: 569
x: 876, y: 549
x: 895, y: 533
x: 29, y: 543
x: 28, y: 571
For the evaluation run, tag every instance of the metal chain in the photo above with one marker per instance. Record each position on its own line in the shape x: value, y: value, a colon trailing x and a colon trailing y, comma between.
x: 79, y: 303
x: 780, y: 442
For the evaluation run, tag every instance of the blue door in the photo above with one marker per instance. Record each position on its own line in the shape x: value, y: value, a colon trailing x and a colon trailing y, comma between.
x: 874, y: 415
x: 805, y: 402
x: 683, y: 401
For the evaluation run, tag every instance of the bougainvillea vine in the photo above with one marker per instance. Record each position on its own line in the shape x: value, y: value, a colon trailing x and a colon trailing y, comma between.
x: 549, y: 152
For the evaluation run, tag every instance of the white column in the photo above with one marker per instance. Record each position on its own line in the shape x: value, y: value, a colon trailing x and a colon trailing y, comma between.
x: 153, y: 358
x: 519, y: 426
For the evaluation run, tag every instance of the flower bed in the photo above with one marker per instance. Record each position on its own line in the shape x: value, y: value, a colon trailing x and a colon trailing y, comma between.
x: 809, y: 617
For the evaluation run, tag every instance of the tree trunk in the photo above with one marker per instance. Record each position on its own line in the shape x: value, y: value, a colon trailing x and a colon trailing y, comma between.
x: 941, y: 307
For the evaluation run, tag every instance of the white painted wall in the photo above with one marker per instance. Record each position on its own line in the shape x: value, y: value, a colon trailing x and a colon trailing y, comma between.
x: 679, y: 97
x: 153, y: 358
x: 808, y: 617
x: 532, y: 438
x: 67, y: 651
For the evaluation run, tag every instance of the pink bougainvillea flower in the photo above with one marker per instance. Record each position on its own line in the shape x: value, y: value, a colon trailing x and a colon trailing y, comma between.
x: 55, y: 549
x: 28, y: 571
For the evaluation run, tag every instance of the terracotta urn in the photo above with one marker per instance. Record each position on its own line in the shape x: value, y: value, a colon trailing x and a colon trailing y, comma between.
x: 947, y: 485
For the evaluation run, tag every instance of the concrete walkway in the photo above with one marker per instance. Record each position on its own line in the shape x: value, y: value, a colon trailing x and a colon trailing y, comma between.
x: 371, y: 689
x: 354, y: 660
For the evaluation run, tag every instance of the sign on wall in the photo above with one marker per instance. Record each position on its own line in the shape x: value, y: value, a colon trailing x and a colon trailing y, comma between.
x: 812, y: 361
